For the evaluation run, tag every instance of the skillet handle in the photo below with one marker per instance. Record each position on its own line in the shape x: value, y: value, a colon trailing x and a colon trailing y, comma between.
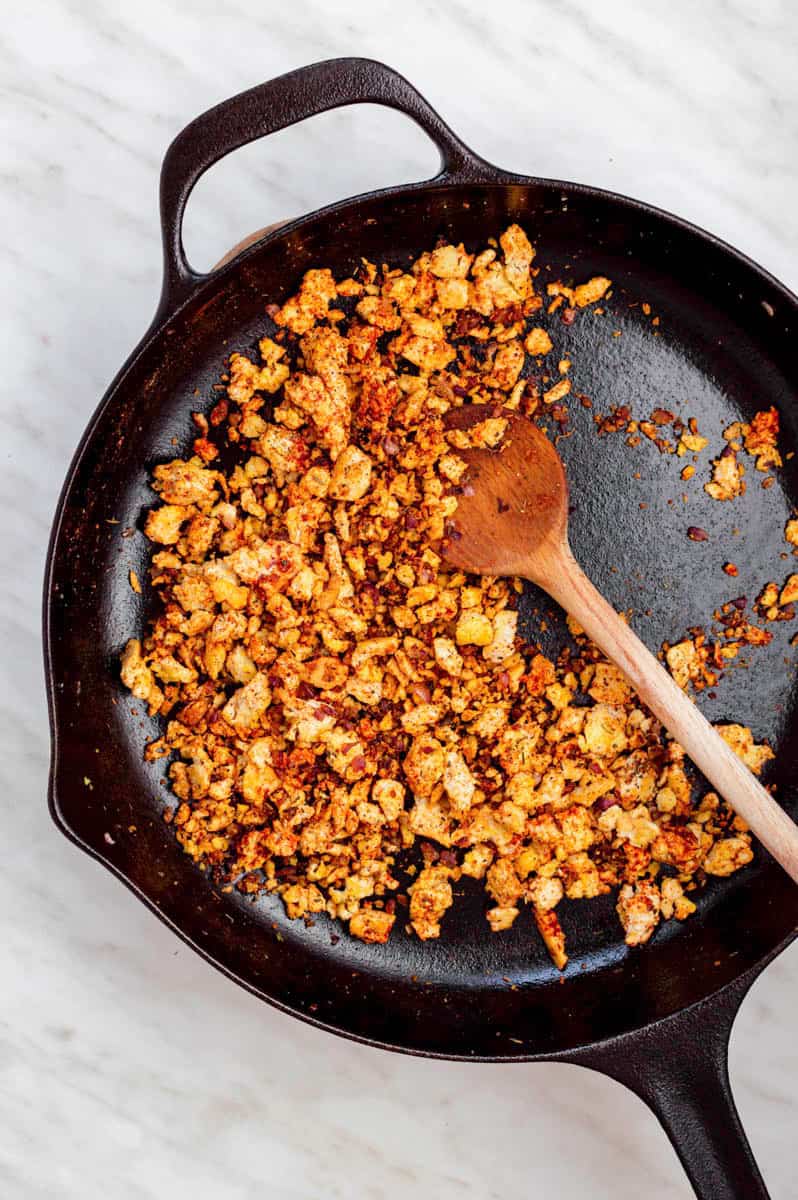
x: 275, y: 105
x: 679, y: 1067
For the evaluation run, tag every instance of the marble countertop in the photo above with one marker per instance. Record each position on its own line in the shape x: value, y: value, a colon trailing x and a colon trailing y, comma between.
x: 129, y: 1069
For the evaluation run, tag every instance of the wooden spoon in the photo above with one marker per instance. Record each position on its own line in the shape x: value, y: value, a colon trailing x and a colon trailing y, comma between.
x: 513, y: 520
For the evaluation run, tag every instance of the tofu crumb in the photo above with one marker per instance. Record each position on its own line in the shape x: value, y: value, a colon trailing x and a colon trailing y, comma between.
x: 339, y: 705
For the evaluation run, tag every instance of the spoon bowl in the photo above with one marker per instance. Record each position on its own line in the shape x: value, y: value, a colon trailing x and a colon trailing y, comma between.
x: 515, y: 513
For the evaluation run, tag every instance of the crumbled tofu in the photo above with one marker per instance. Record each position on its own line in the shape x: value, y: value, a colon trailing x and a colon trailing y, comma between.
x: 592, y: 291
x: 609, y: 685
x: 450, y: 262
x: 693, y: 443
x: 311, y: 303
x: 183, y: 482
x: 683, y: 662
x: 538, y: 342
x: 503, y: 884
x: 371, y: 925
x: 458, y: 782
x: 545, y: 892
x: 447, y: 656
x: 502, y: 643
x: 604, y: 730
x: 789, y: 593
x: 639, y: 911
x: 558, y: 392
x: 246, y: 706
x: 500, y: 919
x: 518, y: 255
x: 246, y: 378
x: 163, y: 524
x: 389, y: 794
x: 351, y: 475
x: 424, y: 764
x: 728, y: 856
x: 335, y: 695
x: 474, y: 629
x: 674, y: 902
x: 727, y: 479
x: 138, y: 677
x: 636, y: 826
x: 741, y: 740
x: 430, y: 896
x: 761, y: 438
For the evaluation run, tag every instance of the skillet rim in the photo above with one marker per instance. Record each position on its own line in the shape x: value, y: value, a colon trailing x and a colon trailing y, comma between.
x: 203, y: 287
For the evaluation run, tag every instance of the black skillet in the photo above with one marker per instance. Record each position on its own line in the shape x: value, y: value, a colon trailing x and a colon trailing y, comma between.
x: 658, y: 1019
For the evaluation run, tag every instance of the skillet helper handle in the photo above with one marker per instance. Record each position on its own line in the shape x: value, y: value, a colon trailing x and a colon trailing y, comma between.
x: 655, y: 687
x: 679, y: 1067
x: 275, y: 105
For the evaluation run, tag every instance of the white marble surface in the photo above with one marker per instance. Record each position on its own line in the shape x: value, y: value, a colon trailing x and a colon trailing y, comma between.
x: 128, y: 1069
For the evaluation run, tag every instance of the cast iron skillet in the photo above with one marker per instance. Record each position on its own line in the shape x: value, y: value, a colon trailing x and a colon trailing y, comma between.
x: 658, y: 1019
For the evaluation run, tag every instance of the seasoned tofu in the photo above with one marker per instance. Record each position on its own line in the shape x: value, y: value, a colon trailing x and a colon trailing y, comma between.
x: 430, y: 897
x: 639, y: 911
x: 424, y: 764
x: 354, y: 725
x: 247, y: 705
x: 371, y: 925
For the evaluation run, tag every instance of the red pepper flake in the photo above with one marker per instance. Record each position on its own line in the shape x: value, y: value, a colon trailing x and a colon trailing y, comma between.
x: 219, y: 412
x: 467, y: 320
x: 730, y: 569
x: 509, y: 315
x: 696, y: 534
x: 205, y: 449
x: 568, y: 316
x: 661, y: 416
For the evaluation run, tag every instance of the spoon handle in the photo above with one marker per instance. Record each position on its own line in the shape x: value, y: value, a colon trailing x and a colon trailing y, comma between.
x: 572, y: 589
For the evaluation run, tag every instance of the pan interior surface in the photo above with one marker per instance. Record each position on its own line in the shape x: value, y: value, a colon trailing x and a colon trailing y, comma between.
x: 724, y: 348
